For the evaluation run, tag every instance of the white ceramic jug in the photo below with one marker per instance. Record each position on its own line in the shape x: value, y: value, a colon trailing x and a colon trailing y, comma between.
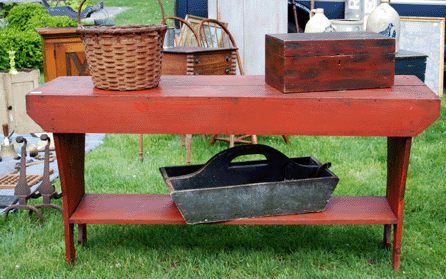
x: 347, y: 25
x: 318, y: 22
x: 385, y: 21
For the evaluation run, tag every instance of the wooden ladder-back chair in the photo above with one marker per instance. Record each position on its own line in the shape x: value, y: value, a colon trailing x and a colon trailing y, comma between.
x: 214, y: 34
x: 186, y: 36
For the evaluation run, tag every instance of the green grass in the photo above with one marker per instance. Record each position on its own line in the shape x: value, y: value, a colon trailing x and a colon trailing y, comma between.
x: 143, y: 12
x: 206, y: 251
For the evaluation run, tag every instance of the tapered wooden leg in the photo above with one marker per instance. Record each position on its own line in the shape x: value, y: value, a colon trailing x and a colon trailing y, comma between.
x: 387, y: 236
x: 213, y: 140
x: 231, y: 140
x: 141, y: 147
x: 286, y: 139
x: 188, y: 148
x: 398, y: 153
x: 82, y: 234
x: 70, y: 253
x: 396, y: 253
x: 70, y: 150
x: 183, y: 141
x: 254, y: 139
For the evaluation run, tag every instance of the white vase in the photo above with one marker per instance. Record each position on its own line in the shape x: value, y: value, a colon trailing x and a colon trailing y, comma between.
x: 318, y: 22
x: 385, y: 21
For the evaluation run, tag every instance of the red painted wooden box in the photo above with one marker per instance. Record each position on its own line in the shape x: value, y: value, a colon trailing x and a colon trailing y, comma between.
x: 303, y: 62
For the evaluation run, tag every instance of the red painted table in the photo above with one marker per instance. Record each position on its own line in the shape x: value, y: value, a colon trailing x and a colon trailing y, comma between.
x: 225, y: 105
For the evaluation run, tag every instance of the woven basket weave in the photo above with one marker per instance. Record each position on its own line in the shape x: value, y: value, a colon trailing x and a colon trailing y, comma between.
x: 124, y: 58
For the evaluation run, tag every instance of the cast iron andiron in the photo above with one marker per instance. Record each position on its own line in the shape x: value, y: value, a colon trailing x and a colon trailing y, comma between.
x: 22, y: 189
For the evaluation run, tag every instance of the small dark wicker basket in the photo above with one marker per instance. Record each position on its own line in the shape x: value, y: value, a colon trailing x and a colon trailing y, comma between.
x: 124, y: 58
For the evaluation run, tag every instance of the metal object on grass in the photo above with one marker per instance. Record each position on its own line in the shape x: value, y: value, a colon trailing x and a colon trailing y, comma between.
x: 47, y: 189
x: 22, y: 189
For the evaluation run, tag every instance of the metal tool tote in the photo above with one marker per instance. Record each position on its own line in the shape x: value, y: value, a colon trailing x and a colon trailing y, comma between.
x: 222, y: 190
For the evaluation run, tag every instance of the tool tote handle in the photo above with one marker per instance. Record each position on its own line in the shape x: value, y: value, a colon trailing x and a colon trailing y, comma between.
x: 80, y: 7
x: 223, y: 159
x: 218, y: 171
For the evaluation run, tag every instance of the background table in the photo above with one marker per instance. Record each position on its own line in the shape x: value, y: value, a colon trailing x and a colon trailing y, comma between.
x: 411, y: 63
x: 224, y: 105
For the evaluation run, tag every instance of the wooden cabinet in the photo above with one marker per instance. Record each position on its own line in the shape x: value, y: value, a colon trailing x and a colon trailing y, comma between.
x: 199, y: 61
x: 63, y: 53
x: 410, y: 63
x: 13, y: 88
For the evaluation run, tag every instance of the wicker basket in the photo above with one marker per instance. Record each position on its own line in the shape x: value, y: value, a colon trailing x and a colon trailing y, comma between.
x: 124, y: 58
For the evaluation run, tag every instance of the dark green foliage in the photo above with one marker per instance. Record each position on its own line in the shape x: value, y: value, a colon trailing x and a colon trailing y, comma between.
x: 27, y: 46
x: 6, y: 8
x: 20, y: 34
x: 20, y: 15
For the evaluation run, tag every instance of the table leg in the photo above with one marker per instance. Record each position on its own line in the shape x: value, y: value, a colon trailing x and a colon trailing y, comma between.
x: 387, y: 236
x: 398, y: 153
x: 70, y: 253
x: 141, y: 147
x: 70, y: 150
x: 188, y: 148
x: 82, y: 234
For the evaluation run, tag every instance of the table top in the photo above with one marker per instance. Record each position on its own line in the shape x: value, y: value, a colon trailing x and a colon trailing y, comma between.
x: 232, y: 105
x: 404, y: 54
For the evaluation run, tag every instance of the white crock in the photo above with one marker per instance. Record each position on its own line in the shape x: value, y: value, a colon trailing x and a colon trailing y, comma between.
x: 347, y: 25
x: 318, y: 22
x: 385, y: 21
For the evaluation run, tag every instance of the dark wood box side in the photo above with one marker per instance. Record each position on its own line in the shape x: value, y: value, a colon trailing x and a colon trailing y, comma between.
x: 341, y: 72
x: 274, y: 63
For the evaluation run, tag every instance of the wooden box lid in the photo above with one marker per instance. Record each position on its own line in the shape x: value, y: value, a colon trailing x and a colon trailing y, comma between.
x: 322, y: 44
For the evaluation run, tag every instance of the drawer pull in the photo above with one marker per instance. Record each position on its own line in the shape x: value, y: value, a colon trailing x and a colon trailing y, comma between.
x: 197, y: 61
x: 228, y: 58
x: 228, y: 71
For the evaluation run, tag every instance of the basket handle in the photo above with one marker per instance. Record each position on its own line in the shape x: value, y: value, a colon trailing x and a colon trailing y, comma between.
x: 80, y: 7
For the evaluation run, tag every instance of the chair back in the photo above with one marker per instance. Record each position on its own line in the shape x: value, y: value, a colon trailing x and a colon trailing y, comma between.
x: 185, y: 35
x: 214, y: 34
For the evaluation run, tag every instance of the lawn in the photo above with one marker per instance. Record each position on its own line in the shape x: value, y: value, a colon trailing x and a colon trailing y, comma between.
x: 206, y: 251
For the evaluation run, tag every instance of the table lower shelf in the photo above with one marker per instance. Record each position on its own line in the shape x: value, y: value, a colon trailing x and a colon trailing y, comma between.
x: 160, y: 209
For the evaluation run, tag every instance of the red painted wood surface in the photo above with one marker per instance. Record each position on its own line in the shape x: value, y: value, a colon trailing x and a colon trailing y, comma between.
x: 71, y: 106
x: 160, y: 209
x: 398, y: 154
x: 216, y: 104
x: 70, y: 151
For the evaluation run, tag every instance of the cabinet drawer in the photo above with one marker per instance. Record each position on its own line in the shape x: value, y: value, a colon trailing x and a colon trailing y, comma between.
x: 214, y: 63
